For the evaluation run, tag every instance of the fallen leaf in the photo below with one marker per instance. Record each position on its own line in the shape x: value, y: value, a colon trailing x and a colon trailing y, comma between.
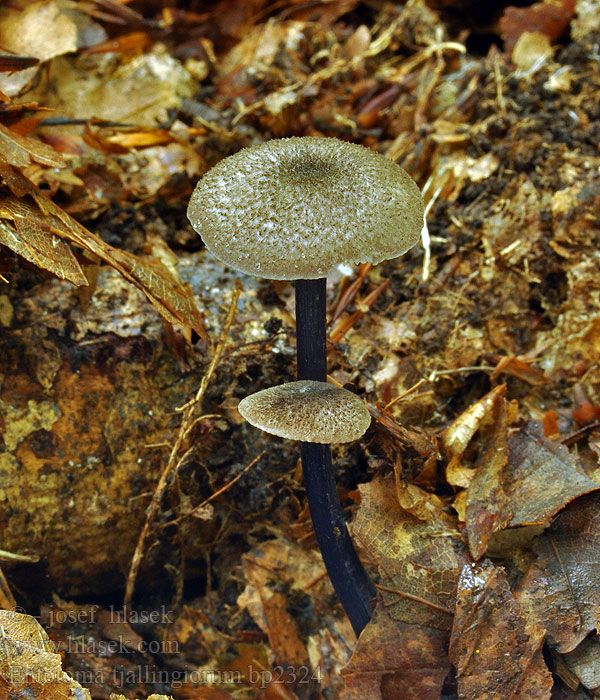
x: 584, y: 663
x: 541, y: 477
x: 394, y: 660
x: 457, y: 436
x: 561, y: 590
x: 114, y: 626
x: 37, y: 29
x: 497, y: 652
x: 420, y: 503
x: 419, y: 562
x: 34, y: 236
x: 172, y: 299
x: 29, y: 668
x: 488, y: 507
x: 253, y: 665
x: 21, y: 150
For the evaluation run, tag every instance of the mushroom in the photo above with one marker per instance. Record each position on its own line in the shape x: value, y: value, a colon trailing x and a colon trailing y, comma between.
x: 294, y: 209
x: 308, y: 411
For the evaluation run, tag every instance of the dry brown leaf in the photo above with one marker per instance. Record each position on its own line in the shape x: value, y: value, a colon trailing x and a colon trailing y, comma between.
x: 584, y: 663
x: 265, y: 567
x: 35, y: 237
x: 457, y: 436
x: 253, y: 665
x: 549, y: 17
x: 561, y: 590
x: 420, y: 503
x: 277, y: 622
x: 488, y: 507
x: 396, y: 660
x: 541, y: 477
x: 28, y: 665
x: 496, y: 651
x: 117, y: 628
x: 138, y: 89
x: 482, y: 428
x: 39, y: 29
x: 419, y: 562
x: 168, y: 295
x: 21, y: 150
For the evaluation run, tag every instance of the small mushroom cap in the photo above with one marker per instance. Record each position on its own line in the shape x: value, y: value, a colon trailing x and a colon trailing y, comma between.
x: 297, y: 208
x: 308, y: 411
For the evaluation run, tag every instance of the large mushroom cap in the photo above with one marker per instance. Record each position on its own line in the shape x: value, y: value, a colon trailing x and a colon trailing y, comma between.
x: 297, y: 208
x: 308, y: 411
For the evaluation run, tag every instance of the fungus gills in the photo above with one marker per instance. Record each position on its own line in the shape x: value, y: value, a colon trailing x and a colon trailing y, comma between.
x: 345, y: 570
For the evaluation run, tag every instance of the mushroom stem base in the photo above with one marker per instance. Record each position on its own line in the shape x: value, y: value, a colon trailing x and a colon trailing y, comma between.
x: 345, y: 570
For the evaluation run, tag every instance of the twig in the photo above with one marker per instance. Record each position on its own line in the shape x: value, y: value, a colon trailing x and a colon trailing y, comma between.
x: 11, y: 557
x: 404, y: 394
x: 229, y: 484
x: 442, y: 372
x: 417, y: 599
x: 165, y: 477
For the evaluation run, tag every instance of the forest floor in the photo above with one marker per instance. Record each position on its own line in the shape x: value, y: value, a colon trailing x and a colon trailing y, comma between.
x: 154, y: 544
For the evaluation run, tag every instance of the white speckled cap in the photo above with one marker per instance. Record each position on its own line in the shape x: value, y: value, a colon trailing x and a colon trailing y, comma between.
x: 308, y: 411
x: 297, y: 208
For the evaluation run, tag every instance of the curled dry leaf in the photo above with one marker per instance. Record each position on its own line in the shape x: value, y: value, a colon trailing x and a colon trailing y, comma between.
x: 497, y: 652
x: 457, y: 437
x: 561, y: 590
x: 397, y: 660
x: 488, y: 507
x: 485, y: 505
x: 28, y: 665
x: 37, y: 29
x: 420, y: 503
x: 266, y: 565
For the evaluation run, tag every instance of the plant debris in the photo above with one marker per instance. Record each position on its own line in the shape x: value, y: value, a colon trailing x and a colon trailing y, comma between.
x: 472, y: 499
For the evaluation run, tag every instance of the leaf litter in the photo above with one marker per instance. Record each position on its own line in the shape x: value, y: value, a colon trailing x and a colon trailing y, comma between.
x: 472, y: 498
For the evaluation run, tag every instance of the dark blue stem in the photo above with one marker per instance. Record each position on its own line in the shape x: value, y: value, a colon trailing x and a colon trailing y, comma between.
x: 345, y: 570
